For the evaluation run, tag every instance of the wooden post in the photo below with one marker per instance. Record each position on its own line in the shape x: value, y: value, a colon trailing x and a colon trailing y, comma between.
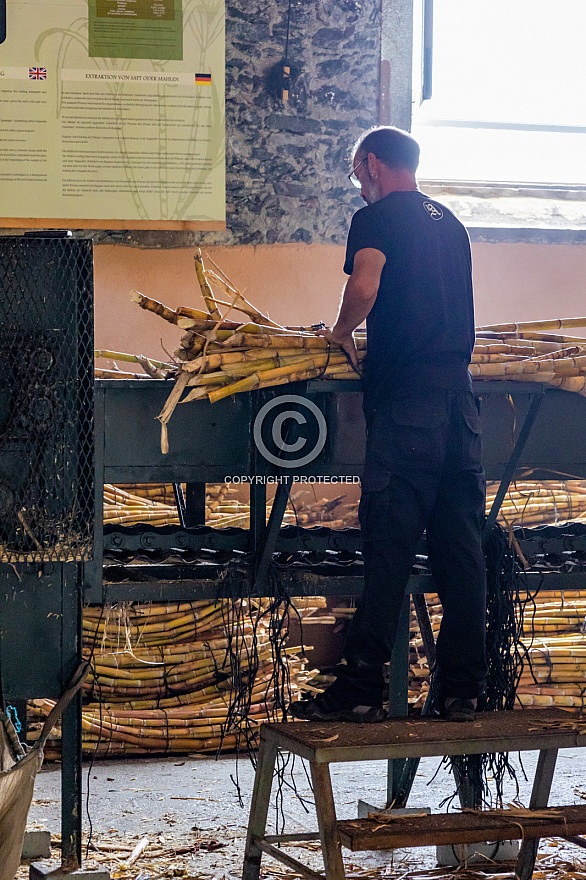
x: 327, y: 823
x: 259, y: 808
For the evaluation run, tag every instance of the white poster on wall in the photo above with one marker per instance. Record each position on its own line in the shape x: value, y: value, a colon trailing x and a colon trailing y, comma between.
x: 113, y: 110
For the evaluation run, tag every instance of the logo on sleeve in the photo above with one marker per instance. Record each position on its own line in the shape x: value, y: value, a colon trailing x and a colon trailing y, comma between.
x: 434, y: 211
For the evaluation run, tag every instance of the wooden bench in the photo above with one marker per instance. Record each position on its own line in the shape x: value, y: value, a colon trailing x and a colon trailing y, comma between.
x: 545, y: 730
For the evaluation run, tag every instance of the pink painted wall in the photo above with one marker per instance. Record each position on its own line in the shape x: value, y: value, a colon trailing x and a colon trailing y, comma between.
x: 301, y: 284
x: 529, y: 282
x: 296, y: 284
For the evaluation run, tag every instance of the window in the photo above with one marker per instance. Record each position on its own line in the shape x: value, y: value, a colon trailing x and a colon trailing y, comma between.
x: 507, y: 103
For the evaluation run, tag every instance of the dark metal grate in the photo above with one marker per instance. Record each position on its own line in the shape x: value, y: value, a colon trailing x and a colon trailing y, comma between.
x: 46, y: 400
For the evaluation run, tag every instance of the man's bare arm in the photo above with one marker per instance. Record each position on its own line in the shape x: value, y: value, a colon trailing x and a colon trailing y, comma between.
x: 357, y: 300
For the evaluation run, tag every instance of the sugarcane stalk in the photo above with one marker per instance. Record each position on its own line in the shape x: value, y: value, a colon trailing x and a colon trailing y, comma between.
x: 238, y: 302
x: 206, y: 290
x: 131, y: 359
x: 523, y: 326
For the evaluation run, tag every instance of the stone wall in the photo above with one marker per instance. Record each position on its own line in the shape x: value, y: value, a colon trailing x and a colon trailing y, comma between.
x: 286, y: 163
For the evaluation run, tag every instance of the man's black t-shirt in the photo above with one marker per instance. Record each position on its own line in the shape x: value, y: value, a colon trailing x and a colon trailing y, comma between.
x: 421, y: 327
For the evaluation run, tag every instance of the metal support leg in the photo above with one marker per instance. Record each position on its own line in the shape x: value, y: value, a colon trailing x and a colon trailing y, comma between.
x: 534, y: 406
x: 71, y: 795
x: 259, y: 808
x: 258, y: 515
x: 71, y: 772
x: 195, y: 504
x: 398, y: 695
x: 400, y: 785
x: 539, y: 799
x: 280, y: 502
x: 327, y: 824
x: 469, y: 784
x: 179, y: 503
x: 425, y: 628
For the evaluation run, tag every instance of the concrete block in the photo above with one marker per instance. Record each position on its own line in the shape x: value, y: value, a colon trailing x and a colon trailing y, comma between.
x: 40, y: 871
x: 364, y: 808
x: 452, y: 856
x: 36, y: 845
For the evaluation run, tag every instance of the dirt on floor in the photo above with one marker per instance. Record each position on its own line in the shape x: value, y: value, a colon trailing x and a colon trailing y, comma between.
x: 187, y: 817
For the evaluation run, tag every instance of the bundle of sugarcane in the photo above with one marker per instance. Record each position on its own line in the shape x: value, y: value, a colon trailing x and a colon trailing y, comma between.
x: 155, y: 504
x: 218, y: 357
x: 554, y: 612
x: 556, y: 675
x: 336, y: 513
x: 524, y: 351
x: 527, y: 502
x: 126, y: 508
x: 539, y: 502
x: 554, y: 671
x: 164, y: 493
x: 161, y: 676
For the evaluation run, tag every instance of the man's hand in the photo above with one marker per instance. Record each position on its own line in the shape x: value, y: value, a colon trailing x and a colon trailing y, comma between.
x: 346, y: 342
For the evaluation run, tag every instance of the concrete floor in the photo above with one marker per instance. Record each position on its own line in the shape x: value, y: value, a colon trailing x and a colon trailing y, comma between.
x: 182, y: 803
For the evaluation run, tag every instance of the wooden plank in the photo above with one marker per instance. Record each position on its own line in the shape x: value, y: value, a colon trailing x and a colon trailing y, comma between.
x: 454, y: 828
x: 328, y: 742
x: 86, y: 223
x: 288, y: 860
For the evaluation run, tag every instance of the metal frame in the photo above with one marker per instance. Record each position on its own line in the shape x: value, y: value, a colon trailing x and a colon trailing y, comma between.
x: 125, y: 409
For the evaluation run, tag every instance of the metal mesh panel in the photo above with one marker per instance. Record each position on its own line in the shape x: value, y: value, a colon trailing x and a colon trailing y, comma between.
x: 46, y: 400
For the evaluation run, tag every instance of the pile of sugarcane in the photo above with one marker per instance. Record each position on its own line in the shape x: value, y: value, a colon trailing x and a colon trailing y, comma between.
x: 335, y: 513
x: 554, y: 671
x: 161, y: 676
x: 525, y: 352
x: 556, y: 674
x: 219, y: 356
x: 526, y: 503
x: 154, y: 503
x: 540, y: 502
x: 127, y: 508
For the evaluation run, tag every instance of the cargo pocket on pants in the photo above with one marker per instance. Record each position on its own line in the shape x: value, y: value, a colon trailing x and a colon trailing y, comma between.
x: 373, y: 515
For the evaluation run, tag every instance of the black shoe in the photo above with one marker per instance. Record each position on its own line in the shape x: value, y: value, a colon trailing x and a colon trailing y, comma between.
x: 313, y: 710
x: 340, y: 702
x: 457, y: 709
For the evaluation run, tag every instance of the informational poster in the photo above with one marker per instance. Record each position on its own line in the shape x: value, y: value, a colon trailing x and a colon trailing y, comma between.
x: 113, y: 110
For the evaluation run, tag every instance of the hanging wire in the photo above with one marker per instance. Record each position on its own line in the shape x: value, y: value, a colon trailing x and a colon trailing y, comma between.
x: 507, y: 599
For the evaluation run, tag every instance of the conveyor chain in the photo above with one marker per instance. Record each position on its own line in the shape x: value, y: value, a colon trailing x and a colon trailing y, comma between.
x: 545, y: 548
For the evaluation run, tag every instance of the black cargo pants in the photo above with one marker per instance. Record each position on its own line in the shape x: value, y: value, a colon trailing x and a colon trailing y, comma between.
x: 423, y: 472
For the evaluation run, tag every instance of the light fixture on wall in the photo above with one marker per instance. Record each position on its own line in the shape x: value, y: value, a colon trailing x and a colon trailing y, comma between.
x: 281, y: 74
x: 280, y: 78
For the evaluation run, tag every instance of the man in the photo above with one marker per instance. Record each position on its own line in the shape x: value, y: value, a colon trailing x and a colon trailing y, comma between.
x: 409, y: 263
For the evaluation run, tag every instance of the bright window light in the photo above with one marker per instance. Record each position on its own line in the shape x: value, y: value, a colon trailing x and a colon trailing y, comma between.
x: 507, y: 102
